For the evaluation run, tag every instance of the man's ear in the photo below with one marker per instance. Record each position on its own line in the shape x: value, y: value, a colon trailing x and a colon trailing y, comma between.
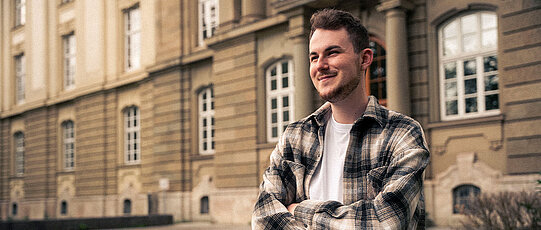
x: 366, y: 58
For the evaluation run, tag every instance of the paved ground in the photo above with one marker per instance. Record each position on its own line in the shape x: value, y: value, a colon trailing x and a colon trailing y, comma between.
x: 205, y: 226
x: 194, y: 226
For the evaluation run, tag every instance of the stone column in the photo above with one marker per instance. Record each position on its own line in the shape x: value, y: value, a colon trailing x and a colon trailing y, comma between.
x: 396, y: 39
x: 298, y: 35
x: 252, y: 10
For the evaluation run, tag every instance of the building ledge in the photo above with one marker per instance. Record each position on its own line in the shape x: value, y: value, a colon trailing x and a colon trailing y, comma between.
x: 465, y: 122
x: 246, y: 29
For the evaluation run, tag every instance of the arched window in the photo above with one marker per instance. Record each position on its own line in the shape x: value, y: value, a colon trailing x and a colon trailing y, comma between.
x: 14, y: 209
x: 463, y: 196
x: 132, y: 135
x: 63, y: 208
x: 68, y: 144
x: 127, y: 206
x: 19, y: 153
x: 206, y: 121
x: 280, y: 100
x: 468, y: 66
x: 204, y: 205
x: 376, y: 80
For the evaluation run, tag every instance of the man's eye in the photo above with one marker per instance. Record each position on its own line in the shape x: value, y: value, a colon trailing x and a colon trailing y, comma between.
x: 313, y: 58
x: 333, y: 52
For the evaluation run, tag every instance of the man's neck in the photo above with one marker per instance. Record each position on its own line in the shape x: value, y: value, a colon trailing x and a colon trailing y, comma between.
x: 347, y: 111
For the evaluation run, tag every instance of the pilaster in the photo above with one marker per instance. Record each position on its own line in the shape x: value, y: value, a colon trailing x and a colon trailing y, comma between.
x: 398, y: 92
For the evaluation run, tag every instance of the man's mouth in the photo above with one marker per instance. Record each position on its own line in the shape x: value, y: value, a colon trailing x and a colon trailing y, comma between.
x: 326, y: 76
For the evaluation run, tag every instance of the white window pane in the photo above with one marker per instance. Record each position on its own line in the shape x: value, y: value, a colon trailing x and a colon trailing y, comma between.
x: 450, y: 47
x: 450, y: 89
x: 488, y: 20
x: 469, y: 24
x: 136, y: 50
x: 470, y: 43
x: 451, y: 30
x: 489, y: 38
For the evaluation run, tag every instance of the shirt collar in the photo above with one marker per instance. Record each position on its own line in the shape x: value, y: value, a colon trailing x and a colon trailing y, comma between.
x: 373, y: 111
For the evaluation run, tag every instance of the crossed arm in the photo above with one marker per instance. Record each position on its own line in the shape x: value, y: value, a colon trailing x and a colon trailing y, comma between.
x: 282, y: 205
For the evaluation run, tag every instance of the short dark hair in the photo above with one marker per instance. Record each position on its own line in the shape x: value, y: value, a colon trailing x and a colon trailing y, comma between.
x: 332, y: 19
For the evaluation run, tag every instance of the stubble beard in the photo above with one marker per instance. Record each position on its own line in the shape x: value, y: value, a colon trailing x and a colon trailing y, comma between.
x: 342, y: 91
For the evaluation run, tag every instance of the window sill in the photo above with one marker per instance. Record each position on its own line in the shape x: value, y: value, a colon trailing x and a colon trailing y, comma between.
x: 66, y: 172
x: 201, y: 157
x: 466, y: 122
x: 129, y: 165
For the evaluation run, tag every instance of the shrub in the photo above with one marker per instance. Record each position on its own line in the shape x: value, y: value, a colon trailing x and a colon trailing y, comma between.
x: 505, y: 210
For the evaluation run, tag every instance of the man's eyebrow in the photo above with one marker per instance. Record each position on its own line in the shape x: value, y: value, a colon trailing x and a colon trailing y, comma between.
x: 326, y: 49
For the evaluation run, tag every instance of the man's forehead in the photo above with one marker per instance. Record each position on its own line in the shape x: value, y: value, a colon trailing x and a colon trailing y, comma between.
x: 323, y: 39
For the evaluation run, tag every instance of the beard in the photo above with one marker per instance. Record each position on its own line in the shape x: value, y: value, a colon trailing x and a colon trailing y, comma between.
x: 341, y: 91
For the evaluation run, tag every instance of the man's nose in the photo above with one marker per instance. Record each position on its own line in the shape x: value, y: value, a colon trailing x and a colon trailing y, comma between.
x: 322, y: 64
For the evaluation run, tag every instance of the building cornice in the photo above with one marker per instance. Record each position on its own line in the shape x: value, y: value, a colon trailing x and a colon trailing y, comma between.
x: 246, y: 29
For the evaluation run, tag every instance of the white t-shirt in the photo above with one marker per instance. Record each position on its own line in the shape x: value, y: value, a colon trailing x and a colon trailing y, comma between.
x: 326, y: 184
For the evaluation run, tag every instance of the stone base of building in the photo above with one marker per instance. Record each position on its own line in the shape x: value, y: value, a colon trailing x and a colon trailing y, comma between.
x: 233, y: 206
x: 468, y: 171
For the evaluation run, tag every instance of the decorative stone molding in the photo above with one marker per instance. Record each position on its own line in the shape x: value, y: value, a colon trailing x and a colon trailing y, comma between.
x: 496, y: 145
x: 440, y: 150
x: 16, y: 188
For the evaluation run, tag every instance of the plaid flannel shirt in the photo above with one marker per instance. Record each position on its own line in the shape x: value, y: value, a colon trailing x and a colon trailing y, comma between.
x: 383, y: 175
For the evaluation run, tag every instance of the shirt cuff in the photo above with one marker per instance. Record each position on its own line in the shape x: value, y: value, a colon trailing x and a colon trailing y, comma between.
x: 304, y: 212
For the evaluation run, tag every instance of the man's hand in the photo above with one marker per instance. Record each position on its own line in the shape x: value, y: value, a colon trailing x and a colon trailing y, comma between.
x: 291, y: 208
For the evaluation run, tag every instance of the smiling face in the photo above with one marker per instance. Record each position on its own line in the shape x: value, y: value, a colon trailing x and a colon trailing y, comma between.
x: 335, y: 69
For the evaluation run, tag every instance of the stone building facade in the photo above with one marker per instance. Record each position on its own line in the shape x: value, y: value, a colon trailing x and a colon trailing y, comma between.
x: 137, y: 107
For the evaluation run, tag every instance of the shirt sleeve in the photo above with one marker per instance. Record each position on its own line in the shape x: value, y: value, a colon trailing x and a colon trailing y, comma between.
x: 393, y: 208
x: 281, y: 186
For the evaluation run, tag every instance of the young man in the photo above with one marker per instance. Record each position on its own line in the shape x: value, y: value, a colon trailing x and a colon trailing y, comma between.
x: 352, y: 164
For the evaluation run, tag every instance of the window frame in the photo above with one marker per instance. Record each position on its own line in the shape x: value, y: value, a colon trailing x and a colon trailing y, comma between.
x: 69, y: 60
x: 206, y: 113
x: 132, y: 135
x: 472, y: 190
x: 20, y: 75
x: 127, y: 207
x: 19, y: 152
x: 68, y: 139
x: 381, y: 80
x: 20, y: 13
x: 204, y: 205
x: 63, y: 208
x: 458, y: 58
x: 207, y: 23
x: 132, y: 38
x: 279, y: 94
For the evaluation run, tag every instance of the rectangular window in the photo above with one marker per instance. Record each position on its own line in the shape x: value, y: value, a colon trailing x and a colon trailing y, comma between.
x: 132, y: 36
x: 20, y: 67
x: 19, y: 153
x: 68, y: 145
x: 69, y: 48
x: 206, y: 121
x: 20, y: 12
x: 208, y: 19
x: 132, y: 131
x: 280, y: 100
